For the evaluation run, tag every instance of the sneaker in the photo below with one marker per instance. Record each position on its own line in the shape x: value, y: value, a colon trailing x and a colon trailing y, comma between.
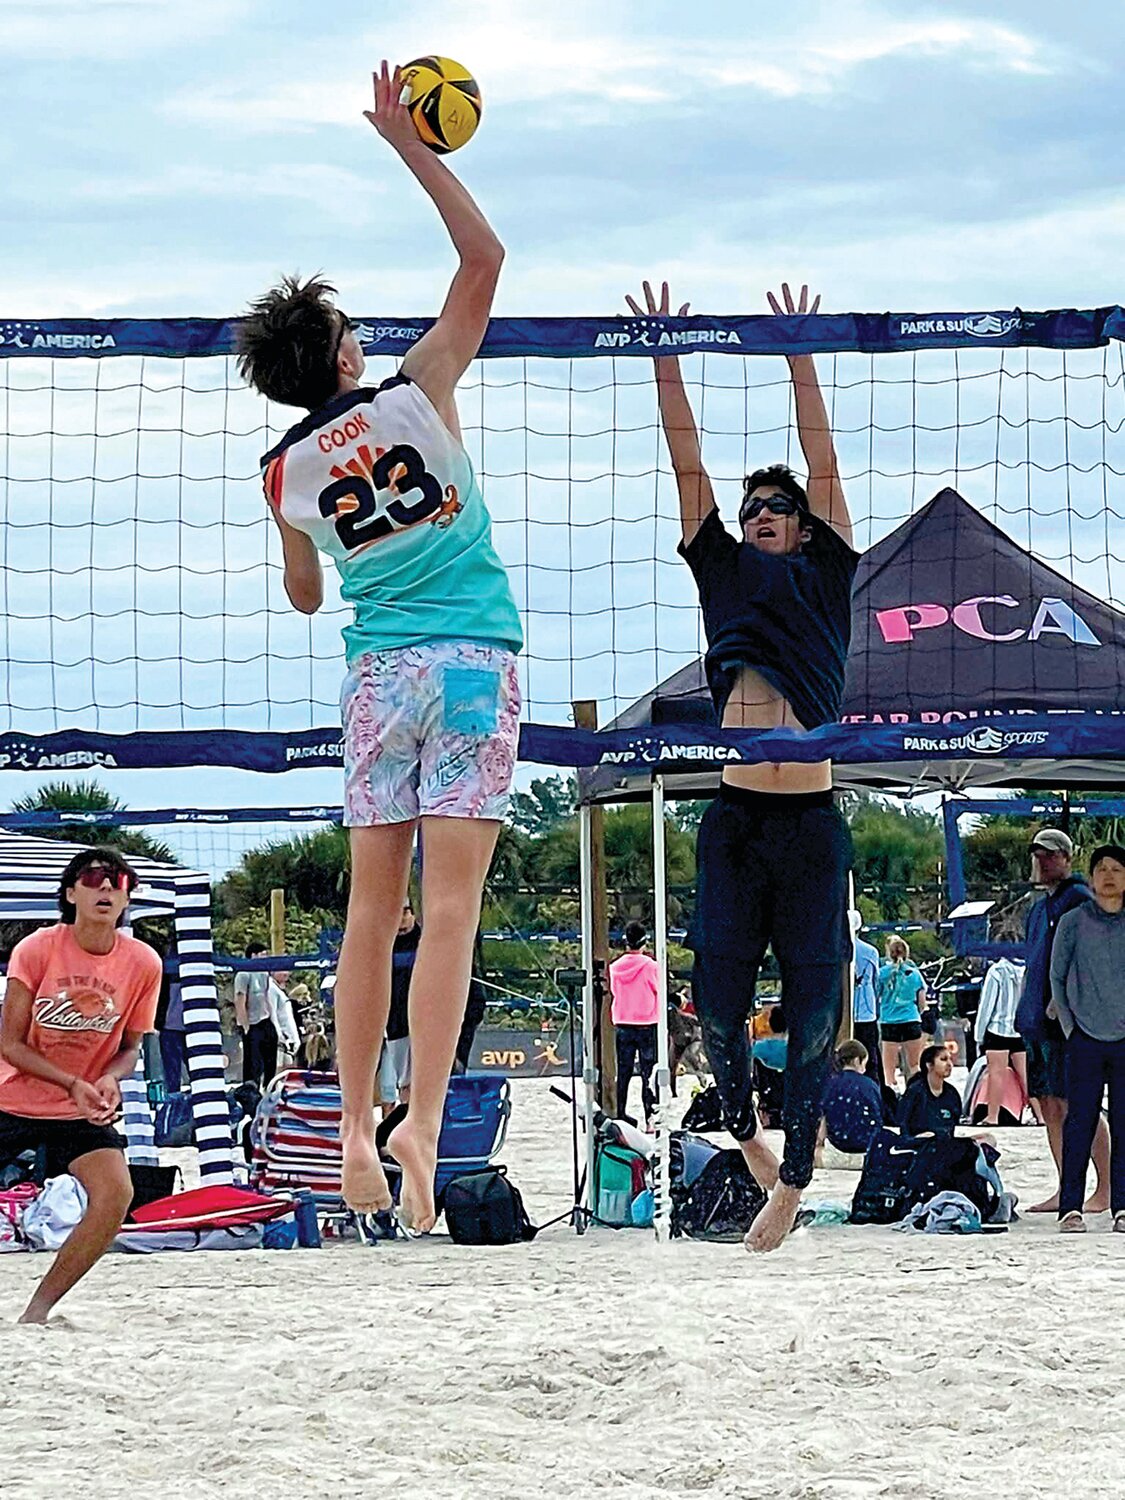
x: 1119, y: 1222
x: 1073, y: 1223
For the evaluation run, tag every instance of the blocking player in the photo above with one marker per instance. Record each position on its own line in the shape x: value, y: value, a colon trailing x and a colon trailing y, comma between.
x: 774, y: 852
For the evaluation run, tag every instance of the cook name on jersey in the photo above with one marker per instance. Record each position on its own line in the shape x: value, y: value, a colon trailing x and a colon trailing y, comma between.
x: 374, y: 491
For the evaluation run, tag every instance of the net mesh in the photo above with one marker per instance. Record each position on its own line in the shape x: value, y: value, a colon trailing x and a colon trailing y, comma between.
x: 141, y: 581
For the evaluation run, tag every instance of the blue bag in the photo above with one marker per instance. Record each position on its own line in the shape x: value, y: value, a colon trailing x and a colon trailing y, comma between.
x: 174, y: 1125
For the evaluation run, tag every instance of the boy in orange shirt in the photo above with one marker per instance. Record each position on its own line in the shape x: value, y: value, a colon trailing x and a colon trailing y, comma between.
x: 80, y: 996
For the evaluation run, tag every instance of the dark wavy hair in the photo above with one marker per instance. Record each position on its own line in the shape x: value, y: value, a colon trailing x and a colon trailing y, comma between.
x: 782, y: 478
x: 101, y: 854
x: 288, y: 340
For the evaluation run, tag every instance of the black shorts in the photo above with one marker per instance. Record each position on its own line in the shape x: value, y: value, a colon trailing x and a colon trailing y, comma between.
x: 63, y: 1141
x: 995, y: 1043
x: 1046, y: 1065
x: 901, y: 1031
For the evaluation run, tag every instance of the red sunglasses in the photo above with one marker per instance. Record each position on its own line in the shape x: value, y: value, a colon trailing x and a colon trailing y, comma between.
x: 94, y: 875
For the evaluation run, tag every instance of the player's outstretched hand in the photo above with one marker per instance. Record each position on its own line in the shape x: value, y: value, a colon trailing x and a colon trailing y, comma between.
x: 664, y: 310
x: 802, y: 303
x: 390, y: 117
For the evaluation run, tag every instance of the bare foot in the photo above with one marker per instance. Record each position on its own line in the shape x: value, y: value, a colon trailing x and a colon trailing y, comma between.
x: 761, y: 1160
x: 1048, y: 1206
x: 1097, y: 1202
x: 362, y: 1179
x: 416, y: 1153
x: 38, y: 1315
x: 775, y: 1220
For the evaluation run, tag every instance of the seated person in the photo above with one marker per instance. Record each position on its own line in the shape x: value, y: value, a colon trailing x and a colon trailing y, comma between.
x: 931, y: 1106
x: 853, y: 1103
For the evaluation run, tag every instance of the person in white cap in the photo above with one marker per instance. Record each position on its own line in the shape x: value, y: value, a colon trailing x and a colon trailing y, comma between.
x: 1052, y: 857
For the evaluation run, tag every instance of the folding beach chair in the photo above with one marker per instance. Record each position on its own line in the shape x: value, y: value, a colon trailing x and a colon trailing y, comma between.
x: 295, y: 1136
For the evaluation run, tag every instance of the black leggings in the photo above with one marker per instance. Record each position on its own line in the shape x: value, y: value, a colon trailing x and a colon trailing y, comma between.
x: 772, y: 871
x: 259, y: 1054
x: 636, y: 1053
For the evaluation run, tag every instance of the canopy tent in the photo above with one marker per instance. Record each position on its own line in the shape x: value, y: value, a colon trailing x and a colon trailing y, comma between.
x: 952, y: 623
x: 30, y: 871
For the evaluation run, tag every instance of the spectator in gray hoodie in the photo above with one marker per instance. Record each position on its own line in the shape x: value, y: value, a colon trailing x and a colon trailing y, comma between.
x: 1088, y: 1000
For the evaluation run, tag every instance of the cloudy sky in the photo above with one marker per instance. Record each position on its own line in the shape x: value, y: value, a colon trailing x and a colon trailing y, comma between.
x: 168, y: 159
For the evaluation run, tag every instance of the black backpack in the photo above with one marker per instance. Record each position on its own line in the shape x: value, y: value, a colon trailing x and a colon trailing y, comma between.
x: 484, y: 1208
x: 714, y: 1194
x: 883, y: 1194
x: 705, y: 1112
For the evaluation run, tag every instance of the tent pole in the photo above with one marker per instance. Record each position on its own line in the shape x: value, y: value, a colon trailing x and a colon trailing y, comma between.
x: 586, y: 717
x: 589, y: 1005
x: 846, y: 1028
x: 662, y: 1177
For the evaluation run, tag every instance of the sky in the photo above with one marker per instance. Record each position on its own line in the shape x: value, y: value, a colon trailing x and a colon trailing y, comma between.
x: 168, y: 160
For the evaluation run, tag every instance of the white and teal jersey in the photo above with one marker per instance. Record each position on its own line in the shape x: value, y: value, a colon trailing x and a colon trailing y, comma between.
x: 384, y: 489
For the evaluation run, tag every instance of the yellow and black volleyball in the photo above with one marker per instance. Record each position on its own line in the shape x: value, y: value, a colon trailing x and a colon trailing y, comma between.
x: 444, y: 102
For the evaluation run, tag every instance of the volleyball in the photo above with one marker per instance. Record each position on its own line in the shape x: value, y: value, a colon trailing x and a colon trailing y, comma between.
x: 444, y: 102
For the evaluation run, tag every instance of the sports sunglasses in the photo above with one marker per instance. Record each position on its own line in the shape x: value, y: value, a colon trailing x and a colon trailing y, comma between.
x: 777, y: 505
x: 94, y: 875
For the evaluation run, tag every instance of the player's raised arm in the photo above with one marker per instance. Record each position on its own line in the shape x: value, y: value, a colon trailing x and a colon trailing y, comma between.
x: 826, y: 493
x: 441, y: 356
x: 697, y: 499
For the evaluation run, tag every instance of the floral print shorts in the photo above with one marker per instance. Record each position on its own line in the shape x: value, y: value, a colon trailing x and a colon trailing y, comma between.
x: 429, y: 731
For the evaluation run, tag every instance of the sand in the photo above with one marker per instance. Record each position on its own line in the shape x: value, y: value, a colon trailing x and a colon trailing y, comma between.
x: 854, y: 1362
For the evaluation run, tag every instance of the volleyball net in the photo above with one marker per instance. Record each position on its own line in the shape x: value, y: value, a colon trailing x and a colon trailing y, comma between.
x: 143, y: 621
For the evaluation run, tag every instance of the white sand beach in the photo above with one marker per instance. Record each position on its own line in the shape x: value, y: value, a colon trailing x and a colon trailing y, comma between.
x: 854, y: 1362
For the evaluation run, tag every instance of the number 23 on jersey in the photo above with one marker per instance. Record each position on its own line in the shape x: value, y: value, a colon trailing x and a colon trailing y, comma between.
x: 373, y: 496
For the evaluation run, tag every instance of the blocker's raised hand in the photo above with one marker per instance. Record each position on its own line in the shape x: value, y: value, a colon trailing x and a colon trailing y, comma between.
x: 390, y: 117
x: 663, y: 311
x: 802, y: 304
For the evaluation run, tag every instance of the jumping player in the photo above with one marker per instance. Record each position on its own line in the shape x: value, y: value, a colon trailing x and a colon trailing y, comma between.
x: 377, y: 479
x: 774, y: 852
x: 80, y: 996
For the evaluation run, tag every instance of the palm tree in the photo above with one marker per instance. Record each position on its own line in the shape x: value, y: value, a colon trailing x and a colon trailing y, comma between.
x: 313, y: 869
x: 107, y: 828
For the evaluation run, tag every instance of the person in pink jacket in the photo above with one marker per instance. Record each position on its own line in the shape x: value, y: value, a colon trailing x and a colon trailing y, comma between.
x: 633, y: 981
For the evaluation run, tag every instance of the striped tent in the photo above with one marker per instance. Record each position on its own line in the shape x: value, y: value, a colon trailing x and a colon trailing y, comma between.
x: 30, y: 870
